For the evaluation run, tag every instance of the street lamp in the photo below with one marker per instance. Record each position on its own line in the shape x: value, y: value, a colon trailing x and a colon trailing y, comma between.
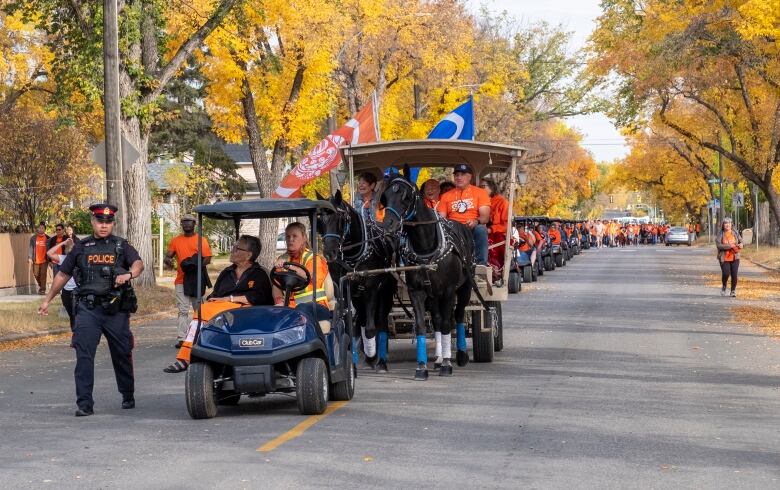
x: 522, y: 177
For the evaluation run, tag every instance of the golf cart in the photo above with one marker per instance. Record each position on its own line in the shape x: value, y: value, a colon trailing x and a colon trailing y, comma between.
x: 257, y: 350
x: 522, y: 260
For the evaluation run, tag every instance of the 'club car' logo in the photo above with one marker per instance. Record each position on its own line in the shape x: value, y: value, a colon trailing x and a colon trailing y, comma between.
x: 251, y: 342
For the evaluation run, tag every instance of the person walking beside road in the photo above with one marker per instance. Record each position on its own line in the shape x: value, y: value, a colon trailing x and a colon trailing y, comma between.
x: 36, y: 256
x: 59, y: 237
x: 469, y: 205
x: 56, y: 255
x: 185, y: 247
x: 729, y: 244
x: 106, y: 265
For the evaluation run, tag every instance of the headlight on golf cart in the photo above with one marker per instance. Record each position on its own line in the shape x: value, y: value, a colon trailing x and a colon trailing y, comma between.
x: 223, y: 321
x: 289, y: 337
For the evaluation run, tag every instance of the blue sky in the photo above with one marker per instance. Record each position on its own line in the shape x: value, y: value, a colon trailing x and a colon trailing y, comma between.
x: 601, y: 137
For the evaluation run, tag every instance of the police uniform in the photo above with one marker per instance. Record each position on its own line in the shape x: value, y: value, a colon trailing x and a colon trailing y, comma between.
x: 100, y: 310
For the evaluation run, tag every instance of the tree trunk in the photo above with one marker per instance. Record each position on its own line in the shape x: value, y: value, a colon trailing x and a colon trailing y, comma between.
x: 138, y: 202
x: 774, y: 212
x: 266, y: 183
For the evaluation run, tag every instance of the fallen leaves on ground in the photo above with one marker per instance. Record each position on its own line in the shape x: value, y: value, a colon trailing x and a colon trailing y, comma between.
x: 765, y: 319
x: 751, y: 288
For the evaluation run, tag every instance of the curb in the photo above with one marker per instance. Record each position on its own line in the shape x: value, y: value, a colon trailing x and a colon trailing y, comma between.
x: 62, y: 330
x: 764, y: 266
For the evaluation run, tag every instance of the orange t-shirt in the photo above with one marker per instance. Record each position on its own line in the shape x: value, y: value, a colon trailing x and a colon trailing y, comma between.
x: 555, y: 236
x: 185, y: 247
x: 430, y: 203
x: 40, y: 249
x: 499, y: 214
x: 729, y: 255
x: 463, y: 205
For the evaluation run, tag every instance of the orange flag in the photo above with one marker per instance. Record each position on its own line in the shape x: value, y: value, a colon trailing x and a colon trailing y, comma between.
x: 325, y: 156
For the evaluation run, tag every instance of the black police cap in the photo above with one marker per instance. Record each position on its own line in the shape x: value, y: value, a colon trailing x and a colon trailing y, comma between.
x: 103, y: 211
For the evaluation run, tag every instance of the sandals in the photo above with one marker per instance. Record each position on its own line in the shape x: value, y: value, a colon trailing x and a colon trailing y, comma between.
x: 177, y: 367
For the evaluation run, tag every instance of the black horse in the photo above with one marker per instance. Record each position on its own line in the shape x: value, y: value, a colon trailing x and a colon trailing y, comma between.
x: 431, y: 240
x: 353, y: 244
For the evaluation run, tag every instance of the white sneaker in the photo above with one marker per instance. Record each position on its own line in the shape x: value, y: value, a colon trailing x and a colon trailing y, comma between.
x: 723, y: 292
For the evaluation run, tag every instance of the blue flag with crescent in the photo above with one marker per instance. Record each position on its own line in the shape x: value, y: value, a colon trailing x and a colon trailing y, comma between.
x: 457, y: 125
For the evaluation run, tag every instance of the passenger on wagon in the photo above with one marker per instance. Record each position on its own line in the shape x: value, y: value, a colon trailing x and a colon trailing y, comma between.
x: 243, y: 283
x: 497, y: 227
x: 469, y: 205
x: 431, y: 191
x: 367, y: 200
x: 298, y: 251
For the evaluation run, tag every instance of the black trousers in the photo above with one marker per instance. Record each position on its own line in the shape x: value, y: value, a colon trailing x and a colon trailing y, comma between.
x: 67, y: 302
x: 729, y: 269
x: 90, y: 325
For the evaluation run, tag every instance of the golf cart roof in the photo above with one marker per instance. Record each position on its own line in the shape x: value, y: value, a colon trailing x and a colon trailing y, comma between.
x: 263, y: 208
x: 484, y: 157
x: 528, y: 218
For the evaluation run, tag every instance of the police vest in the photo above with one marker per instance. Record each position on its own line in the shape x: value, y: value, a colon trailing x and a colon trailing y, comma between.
x: 319, y: 293
x: 97, y: 265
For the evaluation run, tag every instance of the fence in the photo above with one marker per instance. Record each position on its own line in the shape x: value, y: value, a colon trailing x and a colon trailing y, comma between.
x: 15, y: 272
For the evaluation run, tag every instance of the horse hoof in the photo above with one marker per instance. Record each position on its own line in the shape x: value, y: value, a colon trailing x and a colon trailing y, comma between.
x: 445, y: 371
x: 381, y: 367
x: 462, y: 357
x: 421, y: 374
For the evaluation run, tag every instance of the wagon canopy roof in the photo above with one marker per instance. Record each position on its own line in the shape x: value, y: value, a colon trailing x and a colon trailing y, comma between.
x: 263, y: 208
x: 432, y: 153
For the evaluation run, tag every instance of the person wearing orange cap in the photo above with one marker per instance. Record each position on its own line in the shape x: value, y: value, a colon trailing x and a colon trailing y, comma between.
x: 105, y: 264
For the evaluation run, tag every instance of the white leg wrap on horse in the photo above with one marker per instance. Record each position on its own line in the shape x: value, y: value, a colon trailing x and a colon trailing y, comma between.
x: 438, y: 343
x: 369, y: 345
x: 446, y: 344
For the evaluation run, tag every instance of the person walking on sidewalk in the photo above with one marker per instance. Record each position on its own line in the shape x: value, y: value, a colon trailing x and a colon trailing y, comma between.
x: 36, y: 256
x: 729, y: 244
x: 184, y: 247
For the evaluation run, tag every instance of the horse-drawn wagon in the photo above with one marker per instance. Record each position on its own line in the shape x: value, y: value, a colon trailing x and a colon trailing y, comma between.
x: 426, y: 243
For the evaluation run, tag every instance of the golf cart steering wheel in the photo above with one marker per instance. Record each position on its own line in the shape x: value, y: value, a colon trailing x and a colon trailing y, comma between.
x: 288, y: 280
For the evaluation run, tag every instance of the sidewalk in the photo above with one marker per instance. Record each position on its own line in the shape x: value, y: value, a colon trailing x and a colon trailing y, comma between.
x: 21, y: 298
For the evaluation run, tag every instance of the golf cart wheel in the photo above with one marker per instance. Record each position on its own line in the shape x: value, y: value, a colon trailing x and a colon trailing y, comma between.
x: 540, y: 267
x: 559, y: 260
x: 548, y: 263
x: 535, y: 272
x: 513, y: 286
x: 345, y: 390
x: 199, y: 391
x: 482, y: 341
x: 527, y: 274
x: 312, y: 386
x: 498, y: 332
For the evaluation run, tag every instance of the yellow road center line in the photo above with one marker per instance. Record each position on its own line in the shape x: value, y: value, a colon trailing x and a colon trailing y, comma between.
x: 299, y: 429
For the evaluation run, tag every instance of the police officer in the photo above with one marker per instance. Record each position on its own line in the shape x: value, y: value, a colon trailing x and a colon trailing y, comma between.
x: 104, y: 264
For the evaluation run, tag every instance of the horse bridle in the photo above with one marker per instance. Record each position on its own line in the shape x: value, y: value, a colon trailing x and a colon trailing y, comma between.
x: 411, y: 211
x: 348, y: 223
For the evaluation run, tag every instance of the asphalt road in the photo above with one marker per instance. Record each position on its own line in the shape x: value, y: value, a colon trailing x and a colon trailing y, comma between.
x: 620, y: 371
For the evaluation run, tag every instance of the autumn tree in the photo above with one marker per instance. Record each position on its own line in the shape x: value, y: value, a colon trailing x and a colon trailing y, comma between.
x: 708, y: 71
x: 156, y: 38
x: 24, y: 61
x: 38, y: 180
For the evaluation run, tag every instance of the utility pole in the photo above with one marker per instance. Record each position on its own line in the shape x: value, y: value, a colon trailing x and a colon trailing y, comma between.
x: 114, y: 168
x: 720, y: 183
